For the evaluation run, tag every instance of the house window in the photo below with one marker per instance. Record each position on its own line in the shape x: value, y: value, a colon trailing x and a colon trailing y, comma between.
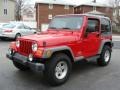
x: 5, y: 11
x: 50, y: 16
x: 66, y: 7
x: 114, y: 13
x: 5, y: 1
x: 76, y: 9
x: 50, y: 6
x: 80, y: 8
x: 94, y: 8
x: 119, y: 12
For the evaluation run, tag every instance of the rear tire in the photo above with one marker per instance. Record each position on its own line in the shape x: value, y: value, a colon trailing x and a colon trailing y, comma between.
x: 18, y: 35
x: 20, y: 66
x: 57, y: 70
x: 105, y: 56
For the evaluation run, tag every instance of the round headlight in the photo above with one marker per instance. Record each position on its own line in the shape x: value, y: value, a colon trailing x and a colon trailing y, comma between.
x: 18, y: 43
x: 34, y: 47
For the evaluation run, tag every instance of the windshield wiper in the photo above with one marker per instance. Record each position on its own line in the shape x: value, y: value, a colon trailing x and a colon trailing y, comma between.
x: 65, y: 28
x: 59, y: 28
x: 52, y: 28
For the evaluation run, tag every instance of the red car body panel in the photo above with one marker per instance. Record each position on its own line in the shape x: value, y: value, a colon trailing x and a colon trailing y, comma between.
x: 76, y: 40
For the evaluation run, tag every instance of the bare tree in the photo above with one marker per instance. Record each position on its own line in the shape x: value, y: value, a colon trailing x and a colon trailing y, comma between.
x: 116, y: 8
x: 18, y: 10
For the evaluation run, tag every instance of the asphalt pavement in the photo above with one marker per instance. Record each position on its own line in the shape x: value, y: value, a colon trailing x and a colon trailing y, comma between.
x: 84, y: 76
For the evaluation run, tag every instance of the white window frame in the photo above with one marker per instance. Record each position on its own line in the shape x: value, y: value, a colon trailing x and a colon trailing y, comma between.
x: 80, y: 8
x: 66, y: 7
x: 50, y: 6
x: 5, y: 11
x: 50, y: 16
x: 5, y: 1
x: 119, y: 12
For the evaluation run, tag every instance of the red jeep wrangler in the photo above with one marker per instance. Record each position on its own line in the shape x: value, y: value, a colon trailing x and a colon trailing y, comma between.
x: 69, y: 38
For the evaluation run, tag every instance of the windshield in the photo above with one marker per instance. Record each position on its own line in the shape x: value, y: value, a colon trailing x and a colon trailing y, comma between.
x: 9, y: 26
x: 71, y: 22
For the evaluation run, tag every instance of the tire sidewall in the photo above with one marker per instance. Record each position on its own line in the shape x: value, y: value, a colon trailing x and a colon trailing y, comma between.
x: 106, y: 48
x: 53, y: 80
x: 68, y: 71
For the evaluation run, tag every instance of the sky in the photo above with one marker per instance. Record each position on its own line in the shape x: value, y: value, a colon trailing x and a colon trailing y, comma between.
x: 77, y: 2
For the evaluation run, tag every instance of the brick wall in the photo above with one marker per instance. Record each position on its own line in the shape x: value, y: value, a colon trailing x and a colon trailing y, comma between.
x: 85, y: 9
x: 42, y: 12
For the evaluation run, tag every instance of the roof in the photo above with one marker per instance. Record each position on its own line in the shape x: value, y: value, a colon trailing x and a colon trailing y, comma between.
x: 58, y: 2
x: 88, y: 15
x: 98, y: 4
x: 95, y: 12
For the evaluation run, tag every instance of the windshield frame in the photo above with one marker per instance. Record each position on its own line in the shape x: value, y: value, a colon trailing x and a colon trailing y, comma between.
x: 67, y: 16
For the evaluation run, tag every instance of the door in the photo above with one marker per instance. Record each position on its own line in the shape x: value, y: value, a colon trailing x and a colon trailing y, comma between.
x: 91, y: 40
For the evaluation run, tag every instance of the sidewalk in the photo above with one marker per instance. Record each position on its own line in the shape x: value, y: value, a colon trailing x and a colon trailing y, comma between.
x: 116, y: 37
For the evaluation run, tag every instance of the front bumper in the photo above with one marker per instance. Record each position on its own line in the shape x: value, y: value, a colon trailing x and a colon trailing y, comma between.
x: 24, y: 61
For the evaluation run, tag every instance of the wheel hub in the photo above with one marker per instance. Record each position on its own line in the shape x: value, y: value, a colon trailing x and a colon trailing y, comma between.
x: 107, y: 56
x: 61, y: 70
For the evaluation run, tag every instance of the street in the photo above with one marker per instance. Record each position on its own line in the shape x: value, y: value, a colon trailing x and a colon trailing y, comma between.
x: 84, y: 76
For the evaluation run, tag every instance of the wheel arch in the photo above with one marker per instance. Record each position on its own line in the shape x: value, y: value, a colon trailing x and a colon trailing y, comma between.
x: 106, y: 42
x: 62, y: 49
x: 18, y: 33
x: 67, y: 52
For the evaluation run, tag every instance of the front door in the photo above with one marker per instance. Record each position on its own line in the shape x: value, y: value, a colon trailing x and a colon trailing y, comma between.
x: 91, y: 40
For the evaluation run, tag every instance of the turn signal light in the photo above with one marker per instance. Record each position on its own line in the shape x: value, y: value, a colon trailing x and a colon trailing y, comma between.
x: 39, y: 52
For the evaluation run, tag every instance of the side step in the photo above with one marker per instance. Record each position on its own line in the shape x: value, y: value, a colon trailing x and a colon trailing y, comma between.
x: 93, y: 58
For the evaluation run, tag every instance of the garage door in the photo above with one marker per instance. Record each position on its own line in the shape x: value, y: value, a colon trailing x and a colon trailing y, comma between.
x: 44, y: 27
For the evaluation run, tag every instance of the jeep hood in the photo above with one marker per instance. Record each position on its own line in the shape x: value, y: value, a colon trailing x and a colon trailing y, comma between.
x: 52, y: 39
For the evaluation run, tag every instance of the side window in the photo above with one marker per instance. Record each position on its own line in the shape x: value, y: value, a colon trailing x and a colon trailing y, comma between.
x: 26, y: 27
x: 21, y: 27
x: 93, y: 25
x: 105, y: 25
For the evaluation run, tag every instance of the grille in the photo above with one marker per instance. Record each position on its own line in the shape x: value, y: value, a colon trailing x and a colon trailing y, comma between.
x: 25, y: 47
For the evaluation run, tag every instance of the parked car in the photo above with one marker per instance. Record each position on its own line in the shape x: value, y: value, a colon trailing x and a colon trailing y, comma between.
x: 2, y: 24
x: 15, y: 30
x: 69, y: 38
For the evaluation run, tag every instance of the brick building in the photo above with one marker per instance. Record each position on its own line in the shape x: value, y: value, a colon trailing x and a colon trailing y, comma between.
x: 94, y: 8
x: 46, y: 10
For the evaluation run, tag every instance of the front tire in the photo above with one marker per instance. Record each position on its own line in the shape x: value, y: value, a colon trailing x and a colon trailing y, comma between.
x: 57, y: 70
x: 20, y: 66
x: 105, y: 56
